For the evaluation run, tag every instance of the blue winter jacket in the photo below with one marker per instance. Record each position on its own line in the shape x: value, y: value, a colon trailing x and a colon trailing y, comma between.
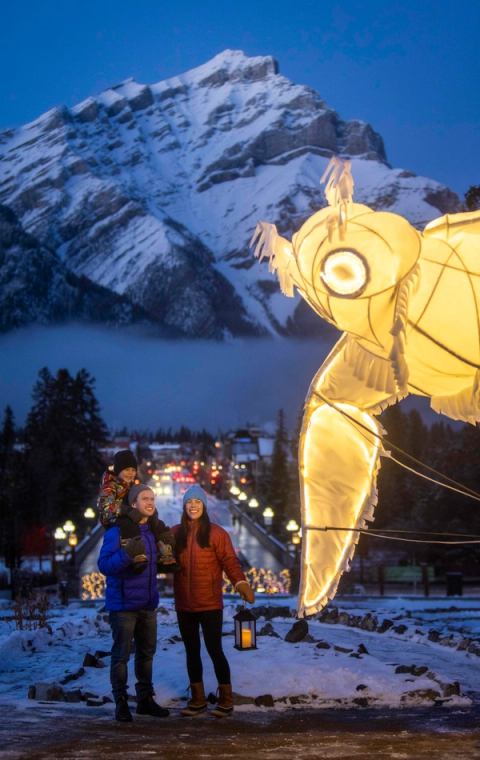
x: 127, y: 590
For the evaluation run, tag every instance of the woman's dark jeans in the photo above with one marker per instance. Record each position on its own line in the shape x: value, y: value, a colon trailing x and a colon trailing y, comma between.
x: 210, y: 622
x: 141, y: 626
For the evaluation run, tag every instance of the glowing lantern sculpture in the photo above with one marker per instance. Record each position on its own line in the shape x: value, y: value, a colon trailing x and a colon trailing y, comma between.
x: 408, y: 305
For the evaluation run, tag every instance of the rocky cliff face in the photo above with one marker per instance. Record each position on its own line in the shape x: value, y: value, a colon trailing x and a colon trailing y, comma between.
x: 35, y: 287
x: 154, y: 191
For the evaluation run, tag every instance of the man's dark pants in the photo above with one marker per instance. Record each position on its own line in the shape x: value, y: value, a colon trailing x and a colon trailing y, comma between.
x: 141, y: 626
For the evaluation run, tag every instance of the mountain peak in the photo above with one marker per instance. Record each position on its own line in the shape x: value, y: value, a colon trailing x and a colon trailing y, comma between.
x: 153, y: 190
x: 232, y: 65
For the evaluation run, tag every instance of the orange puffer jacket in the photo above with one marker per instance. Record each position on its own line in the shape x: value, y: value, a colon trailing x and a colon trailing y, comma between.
x: 199, y: 581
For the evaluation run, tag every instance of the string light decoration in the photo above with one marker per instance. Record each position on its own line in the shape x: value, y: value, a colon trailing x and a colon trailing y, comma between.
x: 407, y: 303
x: 93, y: 586
x: 261, y: 579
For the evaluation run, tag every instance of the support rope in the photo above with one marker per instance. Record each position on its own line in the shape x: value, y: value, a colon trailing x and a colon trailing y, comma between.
x: 473, y: 539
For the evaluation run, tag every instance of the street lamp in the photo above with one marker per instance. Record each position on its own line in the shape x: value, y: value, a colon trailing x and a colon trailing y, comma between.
x: 60, y: 534
x: 69, y: 527
x: 268, y: 515
x: 89, y: 513
x: 292, y: 526
x: 253, y: 503
x: 234, y: 490
x: 242, y: 496
x: 294, y: 546
x: 72, y: 539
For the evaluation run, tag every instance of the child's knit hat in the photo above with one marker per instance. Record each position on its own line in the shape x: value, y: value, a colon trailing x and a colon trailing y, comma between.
x: 123, y: 459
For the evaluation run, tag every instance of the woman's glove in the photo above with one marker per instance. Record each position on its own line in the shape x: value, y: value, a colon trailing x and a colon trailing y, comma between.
x: 165, y: 553
x: 245, y: 591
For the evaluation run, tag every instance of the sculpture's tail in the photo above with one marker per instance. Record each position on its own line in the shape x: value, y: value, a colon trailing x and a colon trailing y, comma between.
x: 339, y: 460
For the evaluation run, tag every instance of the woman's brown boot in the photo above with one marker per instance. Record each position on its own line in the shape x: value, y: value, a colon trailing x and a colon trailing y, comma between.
x: 197, y: 702
x: 225, y: 701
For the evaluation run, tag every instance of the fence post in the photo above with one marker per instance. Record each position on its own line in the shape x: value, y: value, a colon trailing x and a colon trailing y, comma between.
x: 425, y: 580
x: 381, y: 579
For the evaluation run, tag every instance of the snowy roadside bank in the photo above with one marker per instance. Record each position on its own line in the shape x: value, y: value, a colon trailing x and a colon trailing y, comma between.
x: 339, y: 663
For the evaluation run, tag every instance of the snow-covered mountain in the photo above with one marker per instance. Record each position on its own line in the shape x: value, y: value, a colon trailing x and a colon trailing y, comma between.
x: 153, y: 191
x: 36, y: 287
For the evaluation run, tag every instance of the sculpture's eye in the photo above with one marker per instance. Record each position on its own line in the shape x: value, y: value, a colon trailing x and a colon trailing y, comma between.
x: 345, y: 273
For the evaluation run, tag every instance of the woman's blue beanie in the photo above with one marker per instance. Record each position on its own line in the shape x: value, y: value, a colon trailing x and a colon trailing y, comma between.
x: 195, y: 492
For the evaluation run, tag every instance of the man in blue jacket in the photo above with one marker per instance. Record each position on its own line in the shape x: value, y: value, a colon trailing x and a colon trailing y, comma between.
x: 130, y: 565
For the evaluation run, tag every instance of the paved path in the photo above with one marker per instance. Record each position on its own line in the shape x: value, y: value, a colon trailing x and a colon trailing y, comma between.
x: 43, y: 731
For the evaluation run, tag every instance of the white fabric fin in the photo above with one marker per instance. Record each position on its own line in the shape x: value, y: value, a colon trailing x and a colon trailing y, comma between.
x: 377, y: 373
x: 464, y: 405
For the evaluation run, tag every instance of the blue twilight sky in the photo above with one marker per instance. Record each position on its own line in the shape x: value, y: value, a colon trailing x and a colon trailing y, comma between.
x: 410, y: 68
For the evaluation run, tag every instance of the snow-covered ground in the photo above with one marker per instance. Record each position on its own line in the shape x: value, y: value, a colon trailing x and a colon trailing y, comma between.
x: 338, y: 673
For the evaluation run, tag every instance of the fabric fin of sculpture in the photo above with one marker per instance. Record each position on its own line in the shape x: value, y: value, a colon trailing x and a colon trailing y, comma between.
x: 268, y: 243
x: 464, y: 405
x: 373, y: 370
x: 398, y: 331
x: 339, y: 461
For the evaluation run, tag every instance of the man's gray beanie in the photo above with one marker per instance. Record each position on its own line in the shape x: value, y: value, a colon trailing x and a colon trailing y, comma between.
x: 135, y: 490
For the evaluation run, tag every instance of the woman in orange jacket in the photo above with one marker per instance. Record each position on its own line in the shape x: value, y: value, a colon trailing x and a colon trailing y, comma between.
x: 204, y: 552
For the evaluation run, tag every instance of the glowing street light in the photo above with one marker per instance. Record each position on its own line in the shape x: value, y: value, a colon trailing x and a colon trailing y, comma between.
x: 234, y: 490
x: 268, y: 515
x: 242, y: 496
x: 60, y: 534
x: 89, y: 513
x: 69, y: 527
x: 72, y: 539
x: 253, y: 503
x: 292, y: 526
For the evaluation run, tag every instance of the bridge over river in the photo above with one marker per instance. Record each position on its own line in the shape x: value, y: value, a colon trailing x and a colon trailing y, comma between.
x: 251, y: 542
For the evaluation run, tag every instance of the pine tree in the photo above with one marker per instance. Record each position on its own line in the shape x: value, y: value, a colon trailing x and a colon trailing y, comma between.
x: 393, y: 491
x: 279, y: 495
x: 12, y: 503
x: 63, y: 432
x: 472, y: 198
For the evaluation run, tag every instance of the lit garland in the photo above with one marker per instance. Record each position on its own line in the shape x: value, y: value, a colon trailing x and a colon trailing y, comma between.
x: 93, y: 586
x: 262, y: 580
